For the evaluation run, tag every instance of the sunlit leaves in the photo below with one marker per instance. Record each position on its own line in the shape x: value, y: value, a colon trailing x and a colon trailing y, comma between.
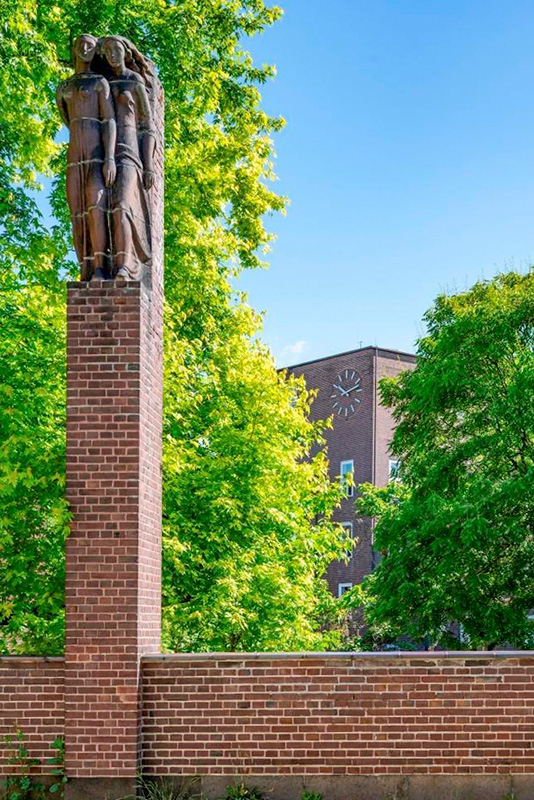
x: 34, y: 516
x: 243, y: 561
x: 458, y: 534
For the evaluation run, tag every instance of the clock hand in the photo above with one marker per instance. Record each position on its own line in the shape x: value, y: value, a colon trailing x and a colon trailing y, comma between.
x: 341, y: 389
x: 346, y: 392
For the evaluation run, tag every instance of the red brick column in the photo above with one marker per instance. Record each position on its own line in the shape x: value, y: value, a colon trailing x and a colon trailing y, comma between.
x: 113, y: 553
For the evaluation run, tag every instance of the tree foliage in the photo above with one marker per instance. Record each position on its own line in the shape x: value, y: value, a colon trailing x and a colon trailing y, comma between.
x: 245, y: 570
x: 243, y: 561
x: 457, y: 533
x: 33, y: 512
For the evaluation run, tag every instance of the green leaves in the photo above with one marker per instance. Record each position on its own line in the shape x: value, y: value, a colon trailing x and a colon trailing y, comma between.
x: 243, y: 563
x: 34, y: 516
x: 458, y: 534
x: 58, y: 763
x: 22, y: 785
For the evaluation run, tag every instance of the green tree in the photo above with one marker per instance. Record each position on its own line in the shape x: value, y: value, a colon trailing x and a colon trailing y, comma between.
x: 33, y: 513
x: 243, y: 564
x: 235, y: 431
x: 457, y: 533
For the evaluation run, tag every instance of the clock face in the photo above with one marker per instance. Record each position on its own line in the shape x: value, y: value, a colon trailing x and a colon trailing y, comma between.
x: 346, y: 393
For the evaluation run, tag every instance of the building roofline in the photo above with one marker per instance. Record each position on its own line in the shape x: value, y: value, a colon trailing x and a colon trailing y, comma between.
x: 372, y: 348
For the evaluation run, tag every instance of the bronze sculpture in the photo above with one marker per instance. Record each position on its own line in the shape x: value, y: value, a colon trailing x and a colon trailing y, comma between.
x: 106, y: 105
x: 85, y: 105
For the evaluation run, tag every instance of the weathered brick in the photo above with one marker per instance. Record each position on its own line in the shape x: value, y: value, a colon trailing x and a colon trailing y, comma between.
x: 32, y: 700
x: 375, y: 715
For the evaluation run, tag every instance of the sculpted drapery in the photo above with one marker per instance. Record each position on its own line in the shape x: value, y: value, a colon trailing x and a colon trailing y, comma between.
x: 107, y: 107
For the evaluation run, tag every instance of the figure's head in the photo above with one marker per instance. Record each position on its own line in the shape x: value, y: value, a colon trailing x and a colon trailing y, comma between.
x: 114, y: 51
x: 85, y: 47
x: 119, y: 54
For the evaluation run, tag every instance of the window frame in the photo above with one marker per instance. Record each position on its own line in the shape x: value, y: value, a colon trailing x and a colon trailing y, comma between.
x: 349, y: 487
x: 393, y: 474
x: 347, y: 586
x: 349, y: 525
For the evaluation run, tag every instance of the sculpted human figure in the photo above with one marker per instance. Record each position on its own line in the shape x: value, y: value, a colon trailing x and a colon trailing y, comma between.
x: 85, y: 105
x: 129, y: 194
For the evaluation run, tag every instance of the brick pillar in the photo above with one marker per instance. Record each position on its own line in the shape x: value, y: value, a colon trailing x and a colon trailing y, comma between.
x: 113, y: 587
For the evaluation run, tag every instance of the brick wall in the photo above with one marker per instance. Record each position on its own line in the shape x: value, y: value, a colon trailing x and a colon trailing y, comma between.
x: 337, y: 714
x: 387, y: 365
x: 423, y: 714
x: 363, y: 437
x: 32, y: 699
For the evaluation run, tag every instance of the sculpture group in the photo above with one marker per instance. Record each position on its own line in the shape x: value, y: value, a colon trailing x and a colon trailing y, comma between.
x: 108, y: 107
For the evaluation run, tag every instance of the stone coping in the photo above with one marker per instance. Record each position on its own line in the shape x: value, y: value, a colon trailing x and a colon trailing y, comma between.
x: 104, y: 283
x: 31, y: 659
x: 435, y: 655
x: 354, y: 656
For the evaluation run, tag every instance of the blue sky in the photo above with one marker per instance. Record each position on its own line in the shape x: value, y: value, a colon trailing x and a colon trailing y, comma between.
x: 408, y: 157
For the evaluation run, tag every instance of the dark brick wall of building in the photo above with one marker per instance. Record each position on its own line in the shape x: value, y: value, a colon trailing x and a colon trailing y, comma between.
x: 388, y: 365
x: 363, y: 437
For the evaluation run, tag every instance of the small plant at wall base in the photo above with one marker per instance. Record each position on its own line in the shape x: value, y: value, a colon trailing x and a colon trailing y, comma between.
x: 168, y: 789
x: 20, y: 786
x: 23, y: 786
x: 58, y: 762
x: 240, y: 791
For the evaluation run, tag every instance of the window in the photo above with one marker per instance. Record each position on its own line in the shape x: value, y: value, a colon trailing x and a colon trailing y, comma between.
x: 394, y: 469
x: 348, y: 527
x: 347, y: 468
x: 342, y: 588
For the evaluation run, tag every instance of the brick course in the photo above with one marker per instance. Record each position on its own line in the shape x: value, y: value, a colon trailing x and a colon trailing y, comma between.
x: 339, y: 714
x: 32, y: 699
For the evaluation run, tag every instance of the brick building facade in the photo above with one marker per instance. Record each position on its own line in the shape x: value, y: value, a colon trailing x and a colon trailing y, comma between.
x: 347, y: 385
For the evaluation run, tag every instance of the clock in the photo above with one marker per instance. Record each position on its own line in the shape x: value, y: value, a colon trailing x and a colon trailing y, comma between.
x: 346, y: 393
